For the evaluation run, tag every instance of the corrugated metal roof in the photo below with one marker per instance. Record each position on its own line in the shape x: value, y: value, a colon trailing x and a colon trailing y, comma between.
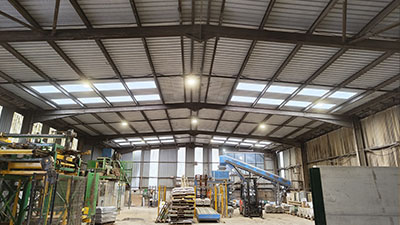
x: 393, y: 85
x: 46, y: 59
x: 178, y: 113
x: 277, y: 119
x: 156, y: 12
x: 230, y: 56
x: 121, y: 128
x: 20, y: 93
x: 300, y: 132
x: 180, y: 124
x: 129, y: 56
x: 161, y: 125
x: 103, y: 129
x: 231, y: 115
x: 263, y: 132
x: 109, y: 117
x: 307, y: 60
x: 283, y: 131
x: 103, y: 13
x: 348, y: 64
x: 244, y: 13
x: 43, y: 12
x: 15, y: 68
x: 359, y: 13
x: 219, y: 90
x: 295, y: 14
x: 299, y: 121
x: 132, y: 116
x: 391, y: 19
x: 209, y: 113
x: 88, y: 57
x: 7, y: 24
x: 156, y: 114
x: 245, y: 128
x: 206, y: 125
x: 172, y: 89
x: 81, y: 127
x: 226, y: 127
x: 141, y: 126
x: 254, y: 117
x: 87, y: 118
x: 166, y: 54
x: 360, y: 102
x: 384, y: 71
x: 266, y: 58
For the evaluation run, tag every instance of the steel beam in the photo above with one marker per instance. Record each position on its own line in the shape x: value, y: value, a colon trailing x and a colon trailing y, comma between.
x: 200, y: 31
x: 198, y: 132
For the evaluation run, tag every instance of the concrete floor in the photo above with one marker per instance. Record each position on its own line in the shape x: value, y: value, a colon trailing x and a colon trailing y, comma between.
x: 144, y: 215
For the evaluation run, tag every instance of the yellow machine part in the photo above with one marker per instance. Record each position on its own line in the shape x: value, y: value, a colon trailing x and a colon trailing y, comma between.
x: 16, y: 152
x: 24, y: 165
x: 22, y: 172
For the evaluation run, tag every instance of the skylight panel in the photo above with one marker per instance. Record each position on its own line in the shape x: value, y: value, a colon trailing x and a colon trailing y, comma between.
x: 165, y: 137
x: 134, y: 139
x: 281, y: 89
x: 313, y: 92
x: 120, y: 140
x: 259, y: 146
x: 250, y: 87
x: 135, y: 85
x: 150, y: 138
x: 235, y: 139
x: 323, y: 106
x: 342, y: 95
x: 77, y: 87
x: 46, y: 89
x: 109, y: 86
x: 265, y: 142
x: 91, y: 100
x: 250, y: 141
x: 219, y: 138
x: 167, y: 141
x: 298, y: 103
x: 139, y: 143
x: 64, y: 101
x: 217, y: 141
x: 245, y: 99
x: 246, y: 144
x: 153, y: 142
x: 270, y: 101
x: 231, y: 143
x: 120, y: 99
x: 147, y: 97
x: 125, y: 143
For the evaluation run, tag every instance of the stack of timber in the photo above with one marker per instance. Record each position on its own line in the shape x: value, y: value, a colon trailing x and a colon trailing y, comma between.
x: 182, y: 205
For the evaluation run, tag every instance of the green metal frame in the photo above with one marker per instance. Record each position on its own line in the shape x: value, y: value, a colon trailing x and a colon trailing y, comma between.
x: 317, y: 196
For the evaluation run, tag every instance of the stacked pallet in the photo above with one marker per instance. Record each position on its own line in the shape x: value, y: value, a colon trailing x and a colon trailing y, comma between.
x: 182, y: 205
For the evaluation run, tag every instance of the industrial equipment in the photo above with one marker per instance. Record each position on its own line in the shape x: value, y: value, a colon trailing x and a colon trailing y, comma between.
x: 250, y: 205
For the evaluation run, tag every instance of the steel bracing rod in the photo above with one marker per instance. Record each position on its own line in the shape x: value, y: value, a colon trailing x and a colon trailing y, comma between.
x: 192, y: 31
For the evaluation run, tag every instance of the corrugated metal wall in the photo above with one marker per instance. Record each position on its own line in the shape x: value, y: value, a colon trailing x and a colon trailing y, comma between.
x: 290, y: 167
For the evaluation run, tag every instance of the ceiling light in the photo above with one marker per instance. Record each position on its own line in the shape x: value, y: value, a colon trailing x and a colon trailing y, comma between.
x: 109, y: 86
x: 217, y: 141
x: 153, y: 142
x: 323, y: 106
x: 281, y: 89
x: 250, y: 87
x: 297, y: 103
x: 265, y: 142
x: 245, y: 144
x: 231, y: 143
x: 245, y: 99
x: 46, y: 89
x: 167, y: 141
x: 126, y: 98
x: 194, y: 121
x: 139, y: 143
x: 147, y: 97
x: 191, y: 80
x: 263, y: 126
x: 241, y: 157
x: 136, y: 85
x: 224, y: 149
x: 250, y: 141
x: 259, y: 146
x: 313, y: 92
x: 342, y: 94
x: 64, y: 101
x: 119, y: 140
x: 270, y: 101
x: 77, y: 87
x: 91, y: 100
x: 124, y: 123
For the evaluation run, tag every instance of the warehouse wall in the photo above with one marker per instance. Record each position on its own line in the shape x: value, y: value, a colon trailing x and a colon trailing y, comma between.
x: 381, y: 136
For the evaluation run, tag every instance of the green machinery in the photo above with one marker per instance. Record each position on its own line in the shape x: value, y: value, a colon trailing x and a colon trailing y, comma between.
x: 40, y: 182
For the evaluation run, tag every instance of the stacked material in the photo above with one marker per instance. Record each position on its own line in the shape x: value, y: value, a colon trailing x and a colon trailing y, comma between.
x: 106, y: 214
x: 182, y: 205
x: 162, y: 215
x: 207, y: 214
x: 203, y: 202
x: 305, y: 212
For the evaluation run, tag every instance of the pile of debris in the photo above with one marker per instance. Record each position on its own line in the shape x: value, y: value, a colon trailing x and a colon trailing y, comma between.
x: 106, y: 215
x: 182, y: 206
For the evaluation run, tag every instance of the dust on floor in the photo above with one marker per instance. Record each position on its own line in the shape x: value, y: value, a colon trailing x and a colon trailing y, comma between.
x: 144, y: 215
